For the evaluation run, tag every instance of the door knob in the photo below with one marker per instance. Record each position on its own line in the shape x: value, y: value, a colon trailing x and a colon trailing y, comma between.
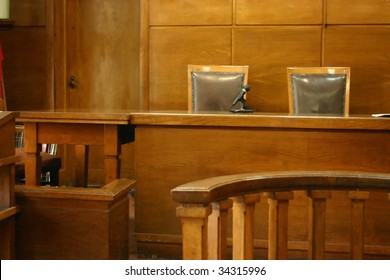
x: 72, y: 82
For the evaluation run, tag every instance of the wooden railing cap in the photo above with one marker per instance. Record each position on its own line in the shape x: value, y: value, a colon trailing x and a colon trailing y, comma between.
x: 109, y: 192
x: 222, y: 187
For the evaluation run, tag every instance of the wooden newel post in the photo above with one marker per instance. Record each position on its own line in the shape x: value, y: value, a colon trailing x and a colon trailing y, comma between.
x: 194, y: 230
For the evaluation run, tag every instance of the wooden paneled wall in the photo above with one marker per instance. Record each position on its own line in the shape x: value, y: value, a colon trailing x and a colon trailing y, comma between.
x: 26, y: 63
x: 267, y: 35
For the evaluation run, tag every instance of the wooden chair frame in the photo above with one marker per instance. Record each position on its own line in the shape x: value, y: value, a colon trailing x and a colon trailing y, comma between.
x: 213, y: 68
x: 318, y: 70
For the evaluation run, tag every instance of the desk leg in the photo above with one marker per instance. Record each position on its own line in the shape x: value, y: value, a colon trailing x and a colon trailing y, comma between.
x: 82, y: 153
x: 32, y: 149
x: 112, y: 151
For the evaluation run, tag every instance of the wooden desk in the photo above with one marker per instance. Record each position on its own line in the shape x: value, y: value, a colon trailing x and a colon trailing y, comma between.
x: 174, y: 148
x: 81, y: 128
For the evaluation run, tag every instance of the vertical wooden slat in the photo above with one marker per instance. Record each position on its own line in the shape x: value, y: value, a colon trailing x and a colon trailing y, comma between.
x: 33, y: 159
x: 358, y: 199
x: 316, y: 225
x: 278, y: 224
x: 82, y: 153
x: 243, y: 226
x: 50, y: 64
x: 112, y: 150
x: 194, y: 231
x: 144, y: 55
x: 217, y: 230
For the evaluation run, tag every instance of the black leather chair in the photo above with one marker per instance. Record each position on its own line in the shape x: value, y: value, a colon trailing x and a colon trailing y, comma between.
x: 214, y: 87
x: 318, y: 90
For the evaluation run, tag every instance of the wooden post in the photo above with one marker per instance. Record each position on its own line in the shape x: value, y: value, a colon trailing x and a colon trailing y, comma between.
x: 217, y: 230
x: 278, y: 224
x: 82, y: 154
x: 33, y: 169
x: 358, y: 199
x: 243, y: 219
x: 316, y: 224
x: 194, y: 230
x: 112, y: 150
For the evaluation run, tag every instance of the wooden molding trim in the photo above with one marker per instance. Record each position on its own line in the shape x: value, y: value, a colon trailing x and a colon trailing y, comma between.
x: 263, y: 244
x: 6, y: 23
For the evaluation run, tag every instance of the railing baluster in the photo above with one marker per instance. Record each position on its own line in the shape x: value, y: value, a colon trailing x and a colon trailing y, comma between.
x: 217, y: 230
x: 243, y: 223
x: 278, y: 224
x: 358, y: 199
x: 316, y: 224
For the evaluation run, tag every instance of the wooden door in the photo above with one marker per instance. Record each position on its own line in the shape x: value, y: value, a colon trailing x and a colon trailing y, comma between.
x: 102, y: 60
x: 97, y: 63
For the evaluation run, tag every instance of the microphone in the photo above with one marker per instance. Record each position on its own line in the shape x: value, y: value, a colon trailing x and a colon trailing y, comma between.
x: 240, y: 96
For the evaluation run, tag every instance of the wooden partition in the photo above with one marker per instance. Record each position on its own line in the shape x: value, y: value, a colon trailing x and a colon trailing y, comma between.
x: 8, y: 209
x: 73, y: 223
x: 173, y: 148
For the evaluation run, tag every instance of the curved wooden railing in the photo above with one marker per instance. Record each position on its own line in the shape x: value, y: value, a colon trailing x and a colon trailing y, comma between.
x: 205, y: 204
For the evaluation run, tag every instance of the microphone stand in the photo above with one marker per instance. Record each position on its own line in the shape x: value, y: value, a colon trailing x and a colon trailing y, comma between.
x: 243, y: 108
